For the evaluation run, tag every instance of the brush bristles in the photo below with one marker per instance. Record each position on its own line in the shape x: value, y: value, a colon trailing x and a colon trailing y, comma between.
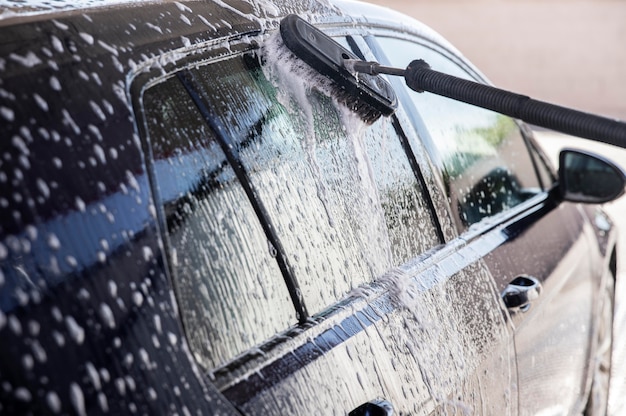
x: 369, y: 96
x: 365, y: 111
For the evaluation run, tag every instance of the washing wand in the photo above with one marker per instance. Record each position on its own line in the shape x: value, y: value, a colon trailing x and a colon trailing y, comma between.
x: 371, y: 96
x: 420, y: 77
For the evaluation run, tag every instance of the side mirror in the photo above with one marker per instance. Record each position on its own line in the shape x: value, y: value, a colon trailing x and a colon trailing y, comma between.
x: 586, y: 177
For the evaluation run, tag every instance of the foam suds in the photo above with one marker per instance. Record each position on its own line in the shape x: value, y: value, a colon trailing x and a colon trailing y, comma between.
x: 294, y: 81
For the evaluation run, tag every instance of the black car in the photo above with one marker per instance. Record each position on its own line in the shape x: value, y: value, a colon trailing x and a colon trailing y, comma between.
x: 191, y: 222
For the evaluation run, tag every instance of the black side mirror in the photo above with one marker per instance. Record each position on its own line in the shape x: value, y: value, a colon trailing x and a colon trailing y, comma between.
x: 586, y: 177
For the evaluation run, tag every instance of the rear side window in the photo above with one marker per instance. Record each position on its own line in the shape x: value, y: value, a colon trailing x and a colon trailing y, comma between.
x: 342, y: 197
x: 482, y: 156
x: 230, y: 290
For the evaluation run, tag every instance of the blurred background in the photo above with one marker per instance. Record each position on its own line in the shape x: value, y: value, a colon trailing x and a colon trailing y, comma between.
x: 567, y: 52
x: 570, y: 52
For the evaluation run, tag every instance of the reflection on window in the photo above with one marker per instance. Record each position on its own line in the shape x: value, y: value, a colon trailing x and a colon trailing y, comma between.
x: 483, y: 159
x: 231, y: 293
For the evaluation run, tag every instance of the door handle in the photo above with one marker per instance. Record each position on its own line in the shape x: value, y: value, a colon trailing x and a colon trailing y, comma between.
x: 377, y: 407
x: 519, y: 294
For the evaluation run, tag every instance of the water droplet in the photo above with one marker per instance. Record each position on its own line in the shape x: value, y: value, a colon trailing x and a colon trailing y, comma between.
x: 43, y: 188
x: 103, y: 403
x: 53, y: 401
x: 86, y: 37
x: 7, y: 113
x: 147, y: 253
x: 78, y: 399
x: 137, y: 298
x: 40, y: 102
x: 29, y: 60
x: 106, y: 314
x: 157, y: 324
x: 22, y: 394
x: 93, y: 375
x: 28, y: 362
x: 99, y: 153
x: 53, y: 242
x: 76, y: 331
x: 15, y: 325
x: 272, y: 249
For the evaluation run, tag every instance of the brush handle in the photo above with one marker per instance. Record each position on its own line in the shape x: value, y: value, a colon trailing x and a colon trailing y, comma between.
x: 419, y: 77
x: 370, y: 67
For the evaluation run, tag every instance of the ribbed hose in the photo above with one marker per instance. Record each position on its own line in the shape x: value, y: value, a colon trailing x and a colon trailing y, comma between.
x: 420, y: 77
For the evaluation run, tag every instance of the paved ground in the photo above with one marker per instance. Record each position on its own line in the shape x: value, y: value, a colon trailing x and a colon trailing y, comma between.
x: 569, y: 52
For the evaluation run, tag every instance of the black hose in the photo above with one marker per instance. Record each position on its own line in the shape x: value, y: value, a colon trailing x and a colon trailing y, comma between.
x: 419, y: 77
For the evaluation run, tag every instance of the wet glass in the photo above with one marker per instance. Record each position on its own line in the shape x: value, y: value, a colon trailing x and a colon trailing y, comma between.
x: 482, y: 157
x: 341, y: 195
x: 230, y: 290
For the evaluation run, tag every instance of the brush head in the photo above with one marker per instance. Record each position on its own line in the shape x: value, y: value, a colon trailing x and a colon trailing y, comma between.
x: 370, y: 96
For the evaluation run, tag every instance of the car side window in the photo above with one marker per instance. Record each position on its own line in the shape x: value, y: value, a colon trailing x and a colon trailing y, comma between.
x: 481, y: 155
x: 342, y: 196
x: 230, y: 290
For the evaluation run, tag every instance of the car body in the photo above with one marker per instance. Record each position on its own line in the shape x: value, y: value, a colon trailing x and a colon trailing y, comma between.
x: 189, y: 225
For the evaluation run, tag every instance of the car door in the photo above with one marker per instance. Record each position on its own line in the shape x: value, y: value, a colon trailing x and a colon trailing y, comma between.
x: 495, y: 177
x: 308, y: 264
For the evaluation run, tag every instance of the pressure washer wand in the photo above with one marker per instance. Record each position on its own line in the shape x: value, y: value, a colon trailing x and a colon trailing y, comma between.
x: 419, y: 77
